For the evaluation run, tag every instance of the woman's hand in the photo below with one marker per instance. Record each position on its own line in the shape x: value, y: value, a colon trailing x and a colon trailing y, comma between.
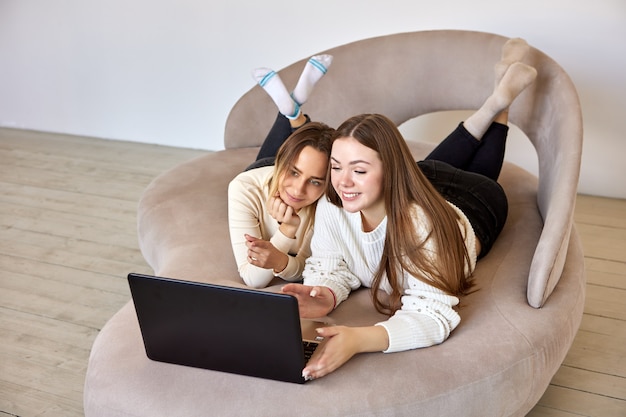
x: 263, y: 254
x: 313, y: 302
x: 343, y: 343
x: 285, y: 215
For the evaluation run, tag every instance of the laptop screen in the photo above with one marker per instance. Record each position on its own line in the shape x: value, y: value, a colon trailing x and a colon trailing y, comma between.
x: 243, y: 331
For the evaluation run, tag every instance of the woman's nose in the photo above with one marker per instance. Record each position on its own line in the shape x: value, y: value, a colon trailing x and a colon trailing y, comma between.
x: 345, y: 179
x: 300, y: 186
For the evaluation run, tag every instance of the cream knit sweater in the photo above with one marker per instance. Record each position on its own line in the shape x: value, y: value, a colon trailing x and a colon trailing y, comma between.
x: 345, y: 258
x: 247, y: 213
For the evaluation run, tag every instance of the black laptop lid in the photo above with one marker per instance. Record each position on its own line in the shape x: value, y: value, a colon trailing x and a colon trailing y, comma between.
x: 235, y: 330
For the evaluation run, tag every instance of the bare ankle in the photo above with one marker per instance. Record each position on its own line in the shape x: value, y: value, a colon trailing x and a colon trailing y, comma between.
x: 298, y: 121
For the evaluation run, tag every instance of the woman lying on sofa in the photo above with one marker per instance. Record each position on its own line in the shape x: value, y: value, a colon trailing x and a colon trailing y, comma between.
x: 271, y: 204
x: 414, y: 231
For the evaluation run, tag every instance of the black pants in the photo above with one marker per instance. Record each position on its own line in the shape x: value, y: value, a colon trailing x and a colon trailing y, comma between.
x: 465, y: 172
x: 278, y: 134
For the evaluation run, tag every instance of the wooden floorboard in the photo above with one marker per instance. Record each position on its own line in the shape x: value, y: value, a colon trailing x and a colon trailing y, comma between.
x: 68, y: 238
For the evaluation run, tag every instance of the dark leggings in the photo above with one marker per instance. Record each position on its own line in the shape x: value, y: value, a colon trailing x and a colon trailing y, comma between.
x: 278, y: 134
x: 465, y: 172
x: 485, y: 156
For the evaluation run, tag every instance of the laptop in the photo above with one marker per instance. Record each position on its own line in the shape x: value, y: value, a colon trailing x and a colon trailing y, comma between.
x: 242, y: 331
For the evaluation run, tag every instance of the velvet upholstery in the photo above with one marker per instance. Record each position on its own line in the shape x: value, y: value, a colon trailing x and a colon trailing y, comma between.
x: 500, y: 359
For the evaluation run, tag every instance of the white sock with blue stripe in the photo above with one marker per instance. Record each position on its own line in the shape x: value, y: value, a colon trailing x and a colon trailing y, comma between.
x: 273, y: 85
x: 314, y: 70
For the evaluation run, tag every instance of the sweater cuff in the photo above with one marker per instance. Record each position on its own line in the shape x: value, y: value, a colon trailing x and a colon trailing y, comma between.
x: 281, y: 242
x: 407, y: 333
x: 340, y: 293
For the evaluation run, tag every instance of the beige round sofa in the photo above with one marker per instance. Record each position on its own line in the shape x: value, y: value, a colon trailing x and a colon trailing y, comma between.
x: 515, y: 331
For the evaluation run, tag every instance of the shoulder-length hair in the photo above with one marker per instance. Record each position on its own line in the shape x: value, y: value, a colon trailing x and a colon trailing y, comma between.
x: 404, y: 187
x: 314, y: 134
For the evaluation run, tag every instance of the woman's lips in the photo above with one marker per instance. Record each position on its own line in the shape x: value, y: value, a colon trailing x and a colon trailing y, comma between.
x: 349, y: 196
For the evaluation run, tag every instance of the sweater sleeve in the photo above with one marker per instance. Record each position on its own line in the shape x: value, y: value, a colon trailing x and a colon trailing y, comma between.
x: 326, y: 266
x: 295, y: 263
x: 427, y: 316
x: 247, y: 214
x: 425, y: 319
x: 244, y: 208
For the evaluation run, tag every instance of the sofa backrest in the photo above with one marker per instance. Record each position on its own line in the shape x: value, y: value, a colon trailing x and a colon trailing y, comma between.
x: 407, y: 75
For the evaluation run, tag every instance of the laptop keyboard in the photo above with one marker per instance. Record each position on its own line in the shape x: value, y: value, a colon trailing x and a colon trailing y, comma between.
x: 309, y: 348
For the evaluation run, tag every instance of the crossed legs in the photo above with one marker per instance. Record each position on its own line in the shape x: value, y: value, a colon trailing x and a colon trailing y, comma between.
x: 478, y: 144
x: 290, y: 116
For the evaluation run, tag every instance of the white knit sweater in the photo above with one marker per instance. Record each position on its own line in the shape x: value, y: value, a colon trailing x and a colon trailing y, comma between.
x: 345, y: 258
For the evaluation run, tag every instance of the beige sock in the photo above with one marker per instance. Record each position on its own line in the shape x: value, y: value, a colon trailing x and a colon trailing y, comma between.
x: 513, y: 50
x: 517, y: 77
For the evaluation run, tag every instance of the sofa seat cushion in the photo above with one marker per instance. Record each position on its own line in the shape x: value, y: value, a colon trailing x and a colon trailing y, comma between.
x: 503, y: 352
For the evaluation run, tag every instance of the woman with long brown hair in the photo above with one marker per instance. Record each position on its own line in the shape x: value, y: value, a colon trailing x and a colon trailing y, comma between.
x: 412, y: 231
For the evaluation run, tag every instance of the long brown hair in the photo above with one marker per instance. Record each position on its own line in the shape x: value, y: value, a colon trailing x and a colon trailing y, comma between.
x: 314, y: 134
x: 404, y: 186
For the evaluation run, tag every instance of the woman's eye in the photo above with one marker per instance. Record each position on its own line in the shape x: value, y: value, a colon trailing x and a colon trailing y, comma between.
x: 316, y: 183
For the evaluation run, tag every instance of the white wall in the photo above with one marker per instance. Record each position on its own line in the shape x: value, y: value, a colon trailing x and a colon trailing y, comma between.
x: 168, y: 72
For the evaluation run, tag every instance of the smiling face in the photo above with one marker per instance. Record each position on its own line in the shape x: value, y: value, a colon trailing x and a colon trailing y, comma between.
x: 304, y: 182
x: 357, y: 177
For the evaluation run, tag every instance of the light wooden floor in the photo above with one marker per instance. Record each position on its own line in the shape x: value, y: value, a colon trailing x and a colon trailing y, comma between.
x: 67, y: 222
